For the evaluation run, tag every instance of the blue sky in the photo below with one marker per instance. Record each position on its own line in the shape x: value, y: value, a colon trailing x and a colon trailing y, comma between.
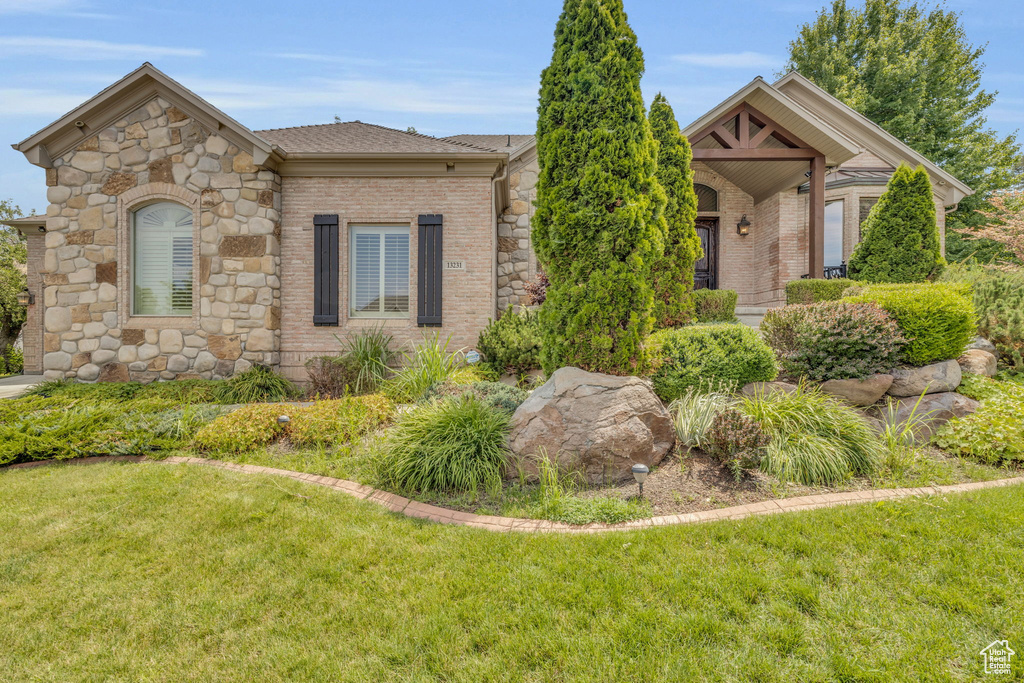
x: 460, y: 66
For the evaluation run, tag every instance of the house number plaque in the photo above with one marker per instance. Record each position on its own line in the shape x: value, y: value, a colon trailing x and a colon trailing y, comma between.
x: 454, y: 265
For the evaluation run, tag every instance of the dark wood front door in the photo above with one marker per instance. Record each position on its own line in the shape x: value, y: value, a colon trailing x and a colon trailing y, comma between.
x: 705, y: 274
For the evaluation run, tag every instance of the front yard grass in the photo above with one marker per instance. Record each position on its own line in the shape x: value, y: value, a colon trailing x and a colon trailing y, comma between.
x: 159, y: 572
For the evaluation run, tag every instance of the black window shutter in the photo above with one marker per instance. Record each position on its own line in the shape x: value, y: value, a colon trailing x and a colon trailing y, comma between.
x: 325, y: 269
x: 429, y: 269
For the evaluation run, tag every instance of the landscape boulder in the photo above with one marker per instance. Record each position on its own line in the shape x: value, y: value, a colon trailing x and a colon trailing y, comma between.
x: 978, y: 362
x: 934, y: 410
x: 594, y: 425
x: 859, y: 392
x: 930, y: 379
x: 983, y: 344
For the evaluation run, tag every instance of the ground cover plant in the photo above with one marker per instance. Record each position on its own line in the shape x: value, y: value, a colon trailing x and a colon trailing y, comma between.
x: 994, y: 434
x: 171, y: 568
x: 937, y: 320
x: 690, y: 356
x: 833, y: 339
x: 180, y: 390
x: 495, y: 394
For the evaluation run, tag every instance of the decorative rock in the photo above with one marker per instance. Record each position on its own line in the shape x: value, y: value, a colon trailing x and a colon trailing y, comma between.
x: 978, y: 362
x: 204, y: 362
x: 761, y: 388
x: 57, y: 319
x: 930, y: 379
x: 132, y: 336
x: 103, y: 356
x: 114, y: 372
x: 171, y: 341
x: 242, y: 246
x: 88, y: 372
x: 90, y: 162
x: 107, y: 272
x: 260, y: 340
x: 177, y: 363
x: 58, y: 360
x: 859, y: 392
x: 593, y: 424
x: 225, y: 347
x: 983, y: 344
x: 935, y: 410
x: 148, y: 351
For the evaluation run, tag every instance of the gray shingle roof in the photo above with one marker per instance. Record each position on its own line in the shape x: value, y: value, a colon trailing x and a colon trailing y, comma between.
x: 355, y: 137
x: 499, y: 143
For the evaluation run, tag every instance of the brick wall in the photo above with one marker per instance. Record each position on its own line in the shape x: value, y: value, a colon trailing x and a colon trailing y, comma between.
x: 469, y: 296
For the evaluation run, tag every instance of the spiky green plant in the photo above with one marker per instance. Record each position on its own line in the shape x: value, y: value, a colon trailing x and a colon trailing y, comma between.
x: 423, y: 366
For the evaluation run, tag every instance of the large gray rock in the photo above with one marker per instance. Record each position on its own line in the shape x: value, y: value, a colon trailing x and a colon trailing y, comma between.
x: 930, y: 379
x: 934, y: 410
x: 983, y: 344
x: 595, y: 425
x: 859, y: 392
x: 978, y: 362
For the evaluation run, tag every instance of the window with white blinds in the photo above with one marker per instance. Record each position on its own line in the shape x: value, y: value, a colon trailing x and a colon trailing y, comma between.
x: 379, y: 267
x: 162, y: 260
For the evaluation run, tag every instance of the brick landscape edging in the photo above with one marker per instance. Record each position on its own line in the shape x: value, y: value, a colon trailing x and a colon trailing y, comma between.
x: 411, y: 508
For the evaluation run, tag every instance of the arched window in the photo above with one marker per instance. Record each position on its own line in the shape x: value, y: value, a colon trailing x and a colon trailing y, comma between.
x: 707, y: 198
x: 161, y: 266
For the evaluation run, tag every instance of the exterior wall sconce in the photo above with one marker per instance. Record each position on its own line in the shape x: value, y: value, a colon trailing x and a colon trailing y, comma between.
x: 743, y: 227
x: 25, y: 298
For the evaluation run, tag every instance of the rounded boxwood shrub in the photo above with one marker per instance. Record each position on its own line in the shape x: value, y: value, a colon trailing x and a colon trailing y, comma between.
x: 694, y: 356
x: 833, y: 339
x: 811, y: 290
x: 715, y: 305
x: 938, y: 320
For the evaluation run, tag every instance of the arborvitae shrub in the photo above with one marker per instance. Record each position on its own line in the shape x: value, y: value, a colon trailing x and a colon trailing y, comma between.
x: 901, y: 236
x: 599, y: 222
x: 672, y: 271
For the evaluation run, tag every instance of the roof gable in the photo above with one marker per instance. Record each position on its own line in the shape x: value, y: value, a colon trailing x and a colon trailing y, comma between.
x: 125, y: 96
x: 868, y: 134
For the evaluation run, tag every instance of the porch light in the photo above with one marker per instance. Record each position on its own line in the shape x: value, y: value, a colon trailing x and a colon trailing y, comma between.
x: 25, y: 298
x: 743, y: 227
x: 640, y: 473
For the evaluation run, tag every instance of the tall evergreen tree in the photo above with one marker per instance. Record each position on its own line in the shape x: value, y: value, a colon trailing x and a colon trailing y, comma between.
x: 901, y: 237
x: 672, y: 273
x: 599, y: 221
x: 912, y: 71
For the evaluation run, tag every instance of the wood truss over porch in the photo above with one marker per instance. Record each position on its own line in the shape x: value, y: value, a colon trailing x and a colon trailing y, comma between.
x: 746, y: 135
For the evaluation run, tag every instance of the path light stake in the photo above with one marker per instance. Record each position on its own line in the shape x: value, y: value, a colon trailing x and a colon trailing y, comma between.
x: 283, y: 420
x: 640, y: 473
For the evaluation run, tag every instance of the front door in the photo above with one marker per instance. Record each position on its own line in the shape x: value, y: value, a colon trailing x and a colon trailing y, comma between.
x: 705, y: 274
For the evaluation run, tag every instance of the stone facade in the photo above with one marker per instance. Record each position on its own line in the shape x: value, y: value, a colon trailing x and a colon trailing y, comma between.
x: 159, y: 153
x: 517, y: 264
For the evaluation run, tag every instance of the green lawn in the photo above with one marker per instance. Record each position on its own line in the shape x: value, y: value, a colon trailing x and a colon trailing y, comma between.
x: 156, y: 572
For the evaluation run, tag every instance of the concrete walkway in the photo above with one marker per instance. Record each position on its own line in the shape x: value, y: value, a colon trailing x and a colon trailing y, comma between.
x: 12, y: 387
x: 411, y: 508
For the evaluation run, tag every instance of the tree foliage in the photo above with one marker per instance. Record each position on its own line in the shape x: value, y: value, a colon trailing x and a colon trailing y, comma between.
x: 599, y: 222
x: 913, y: 71
x: 1005, y: 224
x: 901, y: 237
x: 673, y: 271
x: 12, y: 277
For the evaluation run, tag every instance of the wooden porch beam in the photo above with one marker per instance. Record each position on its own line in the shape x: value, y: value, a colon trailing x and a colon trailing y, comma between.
x: 816, y: 220
x: 765, y: 154
x: 706, y: 130
x: 743, y: 129
x: 761, y: 136
x: 725, y: 138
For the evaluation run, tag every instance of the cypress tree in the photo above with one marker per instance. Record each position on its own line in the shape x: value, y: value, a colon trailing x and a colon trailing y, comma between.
x: 901, y: 238
x: 672, y: 273
x: 598, y: 224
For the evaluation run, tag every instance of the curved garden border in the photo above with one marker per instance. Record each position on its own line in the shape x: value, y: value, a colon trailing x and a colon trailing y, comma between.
x: 411, y: 508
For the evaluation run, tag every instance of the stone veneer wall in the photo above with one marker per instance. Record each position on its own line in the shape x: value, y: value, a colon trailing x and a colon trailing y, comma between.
x: 517, y: 264
x: 159, y: 152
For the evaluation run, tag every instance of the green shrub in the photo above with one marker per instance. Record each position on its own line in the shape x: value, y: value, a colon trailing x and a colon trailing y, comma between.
x: 999, y: 300
x: 900, y: 236
x: 178, y: 390
x: 183, y: 390
x: 249, y: 427
x: 256, y: 385
x: 456, y: 444
x: 833, y: 339
x: 694, y: 411
x: 812, y: 291
x: 994, y: 434
x: 12, y: 361
x: 495, y: 394
x: 814, y: 438
x: 736, y: 441
x: 337, y: 421
x: 715, y: 305
x: 690, y: 356
x: 332, y: 376
x: 511, y: 344
x: 425, y: 365
x: 937, y: 320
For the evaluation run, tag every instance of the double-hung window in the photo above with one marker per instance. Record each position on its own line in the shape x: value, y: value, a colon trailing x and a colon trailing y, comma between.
x: 379, y: 268
x: 161, y: 266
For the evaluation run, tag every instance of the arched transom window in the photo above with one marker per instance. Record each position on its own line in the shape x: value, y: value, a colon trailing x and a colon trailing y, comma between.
x: 707, y: 198
x: 162, y: 260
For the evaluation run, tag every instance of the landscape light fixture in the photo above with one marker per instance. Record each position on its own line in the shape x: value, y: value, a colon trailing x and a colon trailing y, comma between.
x: 640, y: 473
x: 25, y: 298
x: 743, y: 227
x: 283, y: 420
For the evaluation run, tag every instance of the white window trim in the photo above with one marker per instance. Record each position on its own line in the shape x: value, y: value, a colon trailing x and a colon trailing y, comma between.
x: 132, y: 213
x: 377, y: 229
